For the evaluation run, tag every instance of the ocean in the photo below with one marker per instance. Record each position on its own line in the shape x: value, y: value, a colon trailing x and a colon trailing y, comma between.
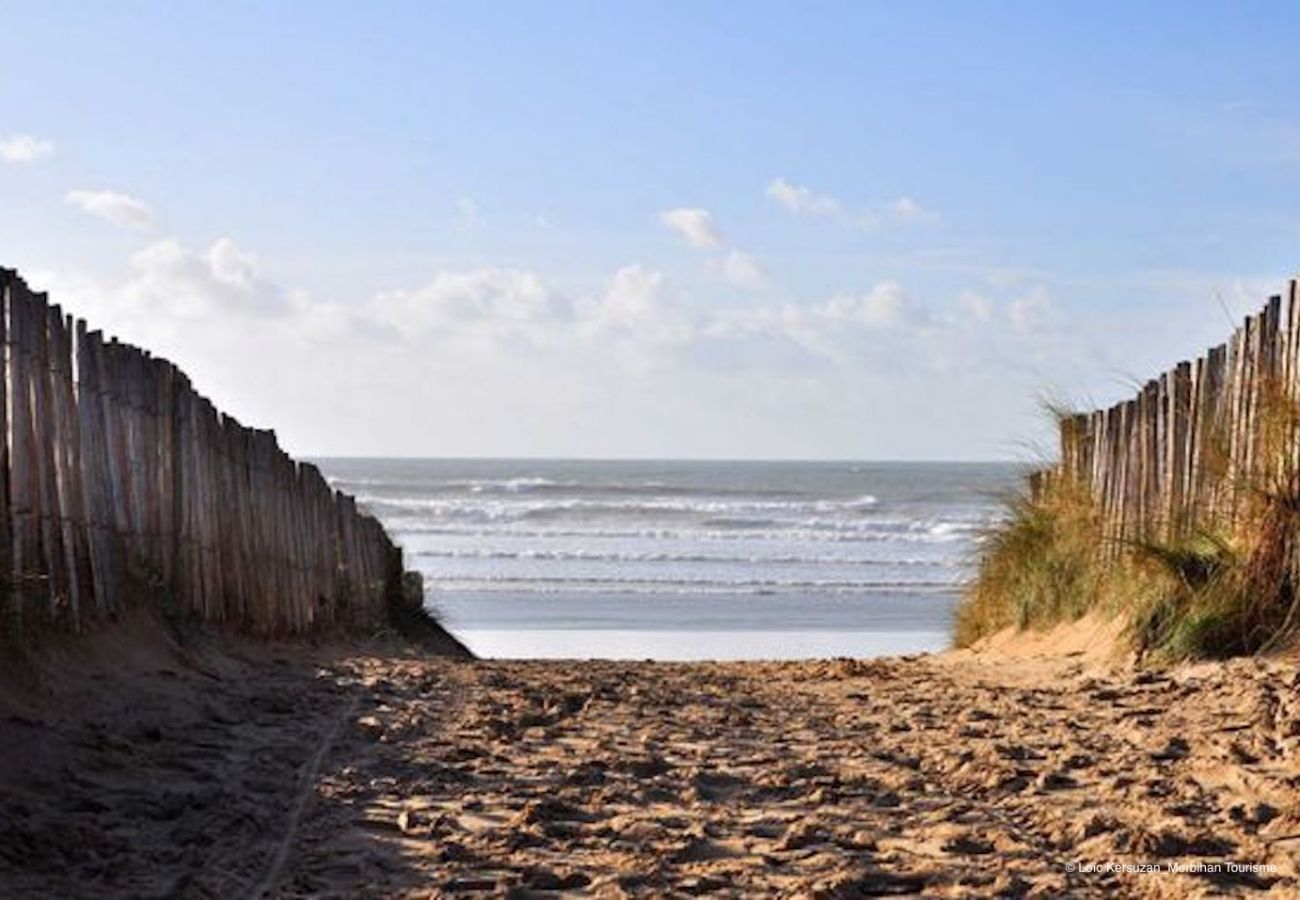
x: 685, y: 560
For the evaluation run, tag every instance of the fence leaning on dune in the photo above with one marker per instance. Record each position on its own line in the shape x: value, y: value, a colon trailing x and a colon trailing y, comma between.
x: 120, y: 484
x: 1191, y: 447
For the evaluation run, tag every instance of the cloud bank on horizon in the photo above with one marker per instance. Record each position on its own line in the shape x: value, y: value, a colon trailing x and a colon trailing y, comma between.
x: 386, y: 285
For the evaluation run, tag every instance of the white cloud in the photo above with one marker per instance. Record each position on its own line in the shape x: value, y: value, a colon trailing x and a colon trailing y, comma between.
x: 636, y: 322
x: 1029, y: 312
x: 696, y: 225
x: 482, y: 304
x: 492, y: 360
x: 743, y: 270
x: 700, y: 230
x: 18, y: 149
x: 801, y: 200
x: 640, y: 323
x: 232, y: 266
x: 884, y: 306
x: 121, y: 210
x: 908, y: 210
x: 170, y: 280
x: 634, y: 298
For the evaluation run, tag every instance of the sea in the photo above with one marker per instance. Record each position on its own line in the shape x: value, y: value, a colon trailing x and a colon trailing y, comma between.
x: 674, y: 560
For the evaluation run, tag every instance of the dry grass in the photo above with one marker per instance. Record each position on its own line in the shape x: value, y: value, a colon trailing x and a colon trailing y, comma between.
x: 1225, y: 586
x: 1042, y: 564
x: 1245, y: 599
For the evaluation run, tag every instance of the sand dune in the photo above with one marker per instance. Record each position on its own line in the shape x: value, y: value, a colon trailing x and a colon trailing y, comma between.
x: 313, y: 773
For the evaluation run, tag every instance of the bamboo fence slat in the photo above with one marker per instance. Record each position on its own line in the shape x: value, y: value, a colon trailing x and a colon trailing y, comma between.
x: 1193, y: 443
x: 120, y: 484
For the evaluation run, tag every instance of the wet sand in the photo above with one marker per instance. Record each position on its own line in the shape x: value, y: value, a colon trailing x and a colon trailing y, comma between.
x: 294, y: 773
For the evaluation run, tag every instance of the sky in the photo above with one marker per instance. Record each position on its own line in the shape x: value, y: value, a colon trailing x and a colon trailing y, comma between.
x: 695, y: 230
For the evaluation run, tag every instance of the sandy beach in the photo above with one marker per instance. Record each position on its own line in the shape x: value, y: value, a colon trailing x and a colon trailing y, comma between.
x: 247, y: 770
x: 649, y: 450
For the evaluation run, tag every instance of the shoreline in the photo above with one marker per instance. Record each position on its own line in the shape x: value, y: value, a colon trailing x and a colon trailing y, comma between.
x: 696, y: 645
x: 211, y: 766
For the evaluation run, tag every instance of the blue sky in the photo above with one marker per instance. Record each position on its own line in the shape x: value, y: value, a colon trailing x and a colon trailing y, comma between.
x: 812, y: 230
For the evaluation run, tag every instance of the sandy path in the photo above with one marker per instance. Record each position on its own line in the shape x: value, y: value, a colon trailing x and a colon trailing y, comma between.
x: 821, y: 780
x: 835, y: 779
x: 158, y: 777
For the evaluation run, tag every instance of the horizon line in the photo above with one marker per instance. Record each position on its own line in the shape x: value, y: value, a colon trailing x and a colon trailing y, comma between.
x: 683, y: 459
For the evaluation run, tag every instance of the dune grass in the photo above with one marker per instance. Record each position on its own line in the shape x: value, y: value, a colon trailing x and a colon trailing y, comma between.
x: 1226, y: 586
x: 1041, y: 564
x: 1234, y: 584
x: 1048, y: 562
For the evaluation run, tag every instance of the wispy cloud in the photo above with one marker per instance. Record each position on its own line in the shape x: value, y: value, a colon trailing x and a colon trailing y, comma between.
x: 906, y: 209
x: 122, y: 210
x: 800, y: 200
x: 20, y: 149
x: 884, y: 306
x: 695, y: 225
x: 1029, y: 312
x: 743, y: 271
x: 698, y: 227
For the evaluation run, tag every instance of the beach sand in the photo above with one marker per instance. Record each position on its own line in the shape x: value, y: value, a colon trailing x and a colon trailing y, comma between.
x: 250, y: 770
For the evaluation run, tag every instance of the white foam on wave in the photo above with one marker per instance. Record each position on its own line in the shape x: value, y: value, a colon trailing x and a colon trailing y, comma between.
x: 508, y: 485
x: 682, y: 585
x: 668, y: 557
x: 785, y: 546
x: 920, y: 535
x: 632, y: 589
x: 696, y: 517
x: 634, y: 505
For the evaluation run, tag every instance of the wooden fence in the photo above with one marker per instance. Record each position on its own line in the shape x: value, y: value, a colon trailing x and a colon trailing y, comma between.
x: 1194, y: 444
x: 121, y: 485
